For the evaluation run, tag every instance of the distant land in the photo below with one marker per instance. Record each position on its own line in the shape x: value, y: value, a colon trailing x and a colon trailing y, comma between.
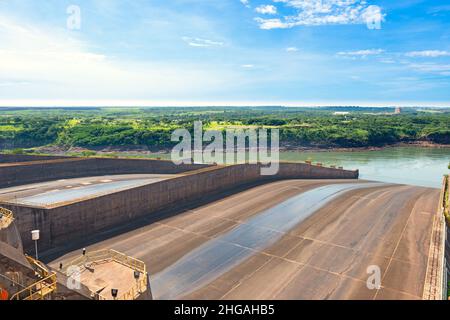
x: 64, y: 129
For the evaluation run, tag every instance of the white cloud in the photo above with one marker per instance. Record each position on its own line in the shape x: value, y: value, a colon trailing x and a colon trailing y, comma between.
x: 248, y: 66
x: 319, y: 12
x: 38, y: 62
x: 246, y: 3
x: 266, y: 9
x: 440, y: 69
x: 361, y: 53
x: 13, y: 83
x: 267, y: 24
x: 387, y: 61
x: 428, y: 53
x: 292, y: 49
x: 199, y: 42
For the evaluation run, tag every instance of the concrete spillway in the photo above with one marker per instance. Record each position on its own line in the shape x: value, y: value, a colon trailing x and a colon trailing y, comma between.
x: 78, y: 193
x: 222, y: 253
x: 296, y: 239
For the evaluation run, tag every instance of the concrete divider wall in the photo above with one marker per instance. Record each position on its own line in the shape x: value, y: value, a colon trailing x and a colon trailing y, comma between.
x: 62, y: 224
x: 13, y: 174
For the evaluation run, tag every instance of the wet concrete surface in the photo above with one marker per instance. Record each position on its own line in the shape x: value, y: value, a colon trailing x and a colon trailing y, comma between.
x: 295, y: 239
x: 219, y: 255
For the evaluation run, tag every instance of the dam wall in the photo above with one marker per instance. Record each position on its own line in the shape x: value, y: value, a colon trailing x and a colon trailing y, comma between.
x: 71, y: 221
x: 21, y: 173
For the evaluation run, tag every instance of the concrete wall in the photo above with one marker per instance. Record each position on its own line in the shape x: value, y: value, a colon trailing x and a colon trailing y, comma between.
x: 13, y: 174
x: 81, y: 219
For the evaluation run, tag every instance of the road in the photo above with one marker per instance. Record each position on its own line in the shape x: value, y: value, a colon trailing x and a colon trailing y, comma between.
x: 296, y: 239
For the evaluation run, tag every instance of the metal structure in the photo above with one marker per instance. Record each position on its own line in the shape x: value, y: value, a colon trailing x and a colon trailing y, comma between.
x: 46, y: 280
x: 41, y: 289
x: 90, y: 259
x: 6, y: 218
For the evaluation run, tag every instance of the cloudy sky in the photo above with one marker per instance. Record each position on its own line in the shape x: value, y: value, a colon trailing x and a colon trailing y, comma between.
x: 220, y: 52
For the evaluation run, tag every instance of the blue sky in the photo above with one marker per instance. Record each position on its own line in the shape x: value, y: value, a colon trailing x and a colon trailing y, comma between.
x: 227, y: 52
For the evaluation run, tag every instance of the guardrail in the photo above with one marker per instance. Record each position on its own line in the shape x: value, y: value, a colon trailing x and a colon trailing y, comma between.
x: 6, y: 218
x: 137, y: 290
x: 107, y: 254
x: 38, y: 290
x: 101, y: 256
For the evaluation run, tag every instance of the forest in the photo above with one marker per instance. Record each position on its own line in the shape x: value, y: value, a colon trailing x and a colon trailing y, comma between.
x: 332, y: 127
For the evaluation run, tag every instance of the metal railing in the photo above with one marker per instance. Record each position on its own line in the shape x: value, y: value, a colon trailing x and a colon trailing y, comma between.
x: 6, y: 218
x: 106, y: 255
x: 109, y: 255
x: 38, y: 290
x: 136, y: 291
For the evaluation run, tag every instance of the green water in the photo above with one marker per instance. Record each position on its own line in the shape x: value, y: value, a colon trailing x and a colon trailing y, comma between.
x: 405, y: 165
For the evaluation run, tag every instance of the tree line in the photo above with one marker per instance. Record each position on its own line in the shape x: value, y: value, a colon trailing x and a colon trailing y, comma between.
x: 92, y: 128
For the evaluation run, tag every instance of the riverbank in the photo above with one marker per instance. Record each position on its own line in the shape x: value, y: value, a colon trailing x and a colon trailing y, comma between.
x: 421, y: 144
x: 143, y: 151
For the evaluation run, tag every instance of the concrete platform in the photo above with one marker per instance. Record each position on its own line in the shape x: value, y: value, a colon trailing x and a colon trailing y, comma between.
x: 72, y: 190
x: 107, y: 275
x: 294, y: 239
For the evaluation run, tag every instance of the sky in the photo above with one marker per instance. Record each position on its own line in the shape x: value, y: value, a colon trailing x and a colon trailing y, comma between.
x: 224, y: 52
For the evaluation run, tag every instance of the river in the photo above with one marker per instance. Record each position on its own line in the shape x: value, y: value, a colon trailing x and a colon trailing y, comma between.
x: 413, y: 165
x: 406, y: 165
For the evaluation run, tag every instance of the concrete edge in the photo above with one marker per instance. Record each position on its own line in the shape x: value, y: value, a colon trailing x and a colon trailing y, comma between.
x: 38, y: 162
x: 435, y: 277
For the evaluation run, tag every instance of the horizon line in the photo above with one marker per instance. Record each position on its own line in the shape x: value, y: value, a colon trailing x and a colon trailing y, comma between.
x: 174, y: 104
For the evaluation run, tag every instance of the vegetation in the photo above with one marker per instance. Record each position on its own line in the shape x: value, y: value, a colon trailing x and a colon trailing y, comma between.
x: 152, y: 127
